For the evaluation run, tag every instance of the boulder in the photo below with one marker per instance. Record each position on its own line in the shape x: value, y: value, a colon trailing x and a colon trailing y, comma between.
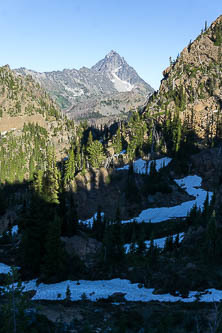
x: 87, y: 249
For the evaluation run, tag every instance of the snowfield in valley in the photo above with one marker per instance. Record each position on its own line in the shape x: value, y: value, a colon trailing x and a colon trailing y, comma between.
x: 102, y: 289
x: 191, y: 184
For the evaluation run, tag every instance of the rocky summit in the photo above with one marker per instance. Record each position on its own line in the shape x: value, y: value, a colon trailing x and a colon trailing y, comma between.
x: 106, y: 92
x: 124, y: 77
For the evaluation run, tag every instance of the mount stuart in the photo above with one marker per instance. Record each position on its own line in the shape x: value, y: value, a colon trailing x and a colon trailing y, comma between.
x: 105, y: 92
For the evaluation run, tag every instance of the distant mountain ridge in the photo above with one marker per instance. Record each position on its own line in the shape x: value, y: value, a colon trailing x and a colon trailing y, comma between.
x: 108, y: 77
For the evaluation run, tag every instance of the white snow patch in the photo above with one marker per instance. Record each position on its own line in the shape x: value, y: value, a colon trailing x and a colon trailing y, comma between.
x: 159, y: 242
x: 119, y: 84
x: 4, y: 269
x: 89, y: 222
x: 191, y: 184
x: 14, y: 229
x: 141, y: 166
x: 95, y: 290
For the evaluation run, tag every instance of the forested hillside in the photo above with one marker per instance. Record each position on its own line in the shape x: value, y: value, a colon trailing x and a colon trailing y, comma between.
x: 190, y: 93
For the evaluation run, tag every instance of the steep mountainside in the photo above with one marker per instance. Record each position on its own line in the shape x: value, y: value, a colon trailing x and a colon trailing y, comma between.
x: 29, y: 123
x: 191, y: 89
x: 76, y: 90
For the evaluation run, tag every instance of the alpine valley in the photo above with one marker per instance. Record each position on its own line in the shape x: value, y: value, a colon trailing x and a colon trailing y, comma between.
x: 113, y: 228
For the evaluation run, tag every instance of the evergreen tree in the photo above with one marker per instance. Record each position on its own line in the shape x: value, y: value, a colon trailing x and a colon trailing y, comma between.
x: 141, y: 245
x: 13, y: 317
x: 38, y: 182
x: 212, y: 235
x: 96, y: 154
x: 99, y: 225
x: 113, y: 242
x: 168, y: 246
x: 54, y: 260
x: 117, y: 144
x: 51, y: 179
x: 90, y: 139
x: 70, y: 215
x: 177, y: 241
x: 70, y: 167
x: 68, y: 295
x: 33, y: 226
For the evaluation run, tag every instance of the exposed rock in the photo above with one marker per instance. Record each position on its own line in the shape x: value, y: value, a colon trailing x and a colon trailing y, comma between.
x: 208, y: 164
x: 85, y: 248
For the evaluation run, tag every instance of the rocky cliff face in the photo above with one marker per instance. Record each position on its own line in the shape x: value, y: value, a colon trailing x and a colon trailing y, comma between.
x: 84, y: 93
x: 192, y: 85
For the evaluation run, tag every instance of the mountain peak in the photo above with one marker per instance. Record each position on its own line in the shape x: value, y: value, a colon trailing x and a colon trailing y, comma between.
x: 110, y: 62
x: 112, y: 53
x: 123, y: 76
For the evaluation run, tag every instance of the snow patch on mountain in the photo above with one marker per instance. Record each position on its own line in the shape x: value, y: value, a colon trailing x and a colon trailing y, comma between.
x: 4, y: 269
x: 119, y: 84
x: 159, y: 242
x: 141, y: 166
x: 102, y: 289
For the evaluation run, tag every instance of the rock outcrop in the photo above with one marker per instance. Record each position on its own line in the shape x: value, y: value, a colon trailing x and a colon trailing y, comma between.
x: 86, y: 248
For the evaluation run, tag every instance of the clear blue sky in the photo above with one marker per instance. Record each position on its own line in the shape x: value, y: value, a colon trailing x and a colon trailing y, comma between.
x: 47, y: 35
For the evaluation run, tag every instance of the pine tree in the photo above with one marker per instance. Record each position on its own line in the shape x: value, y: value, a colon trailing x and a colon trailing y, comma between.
x: 68, y: 295
x: 54, y: 260
x: 33, y: 227
x: 96, y: 154
x: 78, y: 159
x: 99, y: 225
x: 13, y: 315
x: 113, y: 244
x: 38, y: 182
x: 168, y: 246
x: 118, y: 142
x: 70, y: 167
x: 177, y: 241
x: 141, y: 248
x: 90, y: 139
x: 71, y: 217
x: 51, y: 179
x: 212, y: 235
